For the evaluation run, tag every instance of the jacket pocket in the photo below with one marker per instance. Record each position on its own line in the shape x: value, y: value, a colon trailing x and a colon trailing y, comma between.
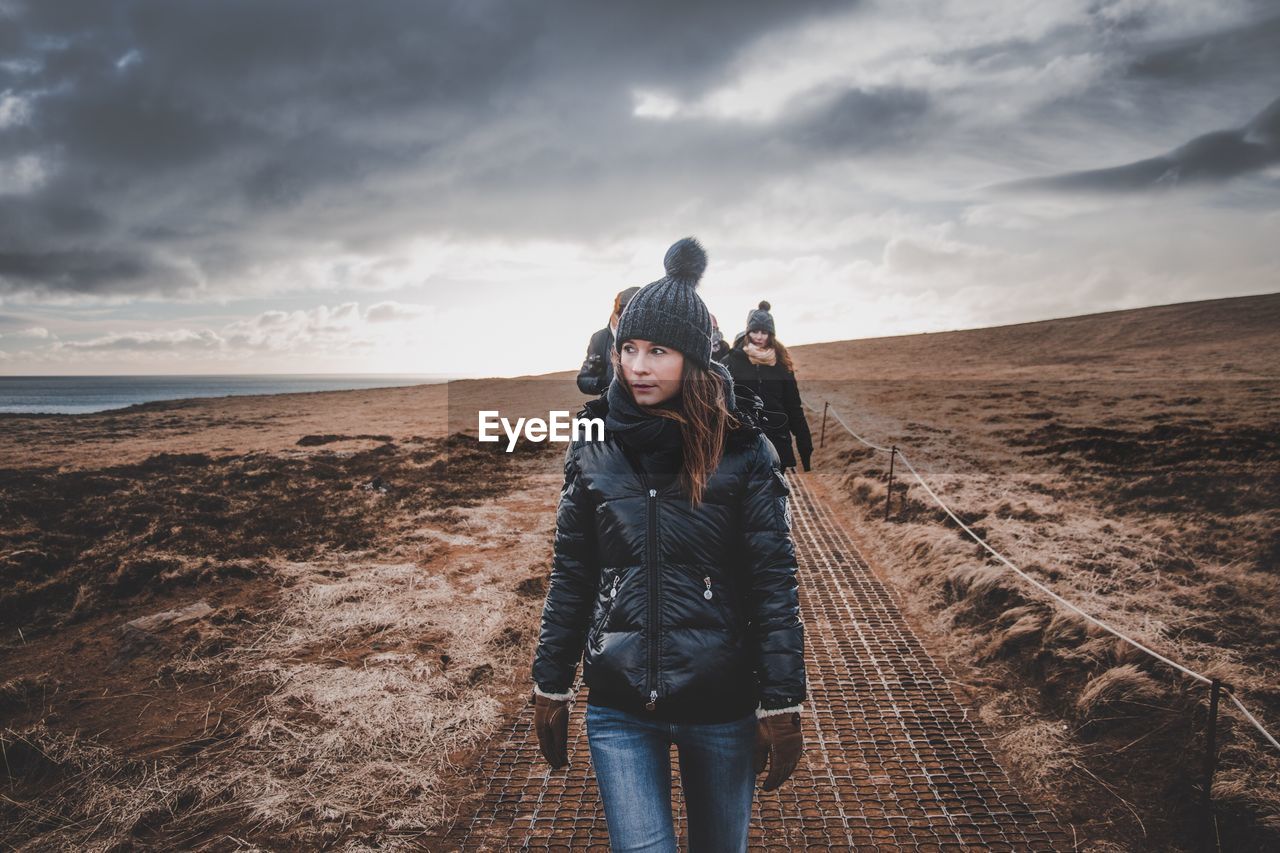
x: 716, y: 597
x: 610, y: 596
x: 729, y: 613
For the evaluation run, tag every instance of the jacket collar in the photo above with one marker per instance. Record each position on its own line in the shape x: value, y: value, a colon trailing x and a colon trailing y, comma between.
x: 745, y: 404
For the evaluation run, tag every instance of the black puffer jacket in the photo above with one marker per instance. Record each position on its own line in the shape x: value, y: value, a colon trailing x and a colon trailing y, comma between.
x: 597, y: 368
x: 686, y: 615
x: 783, y: 411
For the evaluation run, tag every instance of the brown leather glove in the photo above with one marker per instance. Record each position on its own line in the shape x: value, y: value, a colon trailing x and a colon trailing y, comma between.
x: 551, y: 722
x: 779, y: 743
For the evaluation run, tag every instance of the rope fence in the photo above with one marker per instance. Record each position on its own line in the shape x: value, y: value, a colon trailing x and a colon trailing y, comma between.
x: 1215, y: 685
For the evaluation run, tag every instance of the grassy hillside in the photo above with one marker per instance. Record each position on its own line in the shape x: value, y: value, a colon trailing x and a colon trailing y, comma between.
x: 1129, y: 460
x: 1216, y: 339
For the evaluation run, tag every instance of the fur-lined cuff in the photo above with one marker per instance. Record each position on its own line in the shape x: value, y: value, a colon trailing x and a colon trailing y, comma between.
x: 762, y: 712
x: 567, y: 697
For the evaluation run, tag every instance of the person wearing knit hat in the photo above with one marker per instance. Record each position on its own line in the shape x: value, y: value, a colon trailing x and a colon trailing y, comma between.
x: 759, y: 319
x: 673, y: 580
x: 759, y: 361
x: 597, y: 368
x: 670, y: 311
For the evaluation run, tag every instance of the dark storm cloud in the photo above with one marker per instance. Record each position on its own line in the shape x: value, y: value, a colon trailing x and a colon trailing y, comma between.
x: 25, y: 218
x: 860, y: 119
x: 1211, y: 157
x: 86, y: 270
x: 168, y: 147
x: 198, y: 125
x: 1247, y: 49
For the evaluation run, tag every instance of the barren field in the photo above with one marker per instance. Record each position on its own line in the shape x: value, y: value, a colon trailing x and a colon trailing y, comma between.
x: 292, y: 622
x: 277, y: 622
x: 1131, y: 462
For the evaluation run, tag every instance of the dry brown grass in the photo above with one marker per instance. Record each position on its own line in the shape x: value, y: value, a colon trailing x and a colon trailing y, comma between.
x: 1120, y: 690
x: 1131, y: 462
x: 360, y: 652
x: 384, y: 679
x: 347, y: 705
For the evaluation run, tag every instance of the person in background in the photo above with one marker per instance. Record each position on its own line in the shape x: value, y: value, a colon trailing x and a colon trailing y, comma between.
x: 673, y: 579
x: 721, y: 347
x: 597, y: 368
x: 759, y: 361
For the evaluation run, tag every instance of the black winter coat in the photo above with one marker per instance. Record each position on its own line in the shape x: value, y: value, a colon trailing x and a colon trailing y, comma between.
x: 595, y: 375
x: 784, y: 413
x: 681, y: 614
x: 720, y: 350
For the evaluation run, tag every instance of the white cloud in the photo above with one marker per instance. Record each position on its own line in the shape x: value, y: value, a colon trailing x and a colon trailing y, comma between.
x: 271, y: 318
x: 23, y: 174
x: 982, y: 62
x: 32, y: 332
x: 652, y: 104
x: 390, y: 311
x: 823, y: 211
x: 14, y: 110
x: 1029, y: 213
x: 299, y: 330
x: 1164, y: 19
x: 159, y: 341
x: 917, y: 255
x: 420, y: 263
x: 133, y: 57
x: 904, y: 45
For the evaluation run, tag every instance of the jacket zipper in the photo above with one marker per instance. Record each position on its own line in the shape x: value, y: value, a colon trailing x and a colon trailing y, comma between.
x: 608, y: 606
x: 652, y: 560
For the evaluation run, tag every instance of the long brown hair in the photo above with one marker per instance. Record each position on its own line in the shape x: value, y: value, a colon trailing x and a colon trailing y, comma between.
x: 704, y: 418
x: 620, y: 302
x: 784, y: 357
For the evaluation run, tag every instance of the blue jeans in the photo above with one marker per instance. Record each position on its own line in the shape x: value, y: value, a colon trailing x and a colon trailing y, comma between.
x: 632, y: 761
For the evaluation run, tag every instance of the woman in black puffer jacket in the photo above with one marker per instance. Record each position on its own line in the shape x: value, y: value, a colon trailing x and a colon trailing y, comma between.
x: 674, y: 579
x: 759, y: 361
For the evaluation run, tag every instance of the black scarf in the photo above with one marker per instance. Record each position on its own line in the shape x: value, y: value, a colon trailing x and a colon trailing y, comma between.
x: 654, y: 441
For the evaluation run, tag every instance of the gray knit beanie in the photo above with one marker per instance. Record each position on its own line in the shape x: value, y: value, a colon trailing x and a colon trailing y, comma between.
x: 669, y: 311
x: 760, y: 320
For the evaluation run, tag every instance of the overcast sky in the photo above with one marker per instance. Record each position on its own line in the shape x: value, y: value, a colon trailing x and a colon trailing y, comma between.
x: 462, y: 187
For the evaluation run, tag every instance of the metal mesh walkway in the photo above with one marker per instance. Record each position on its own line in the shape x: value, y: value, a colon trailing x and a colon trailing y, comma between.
x: 892, y: 761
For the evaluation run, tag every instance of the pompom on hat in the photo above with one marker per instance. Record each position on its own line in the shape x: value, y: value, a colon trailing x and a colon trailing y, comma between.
x: 669, y: 311
x: 760, y: 320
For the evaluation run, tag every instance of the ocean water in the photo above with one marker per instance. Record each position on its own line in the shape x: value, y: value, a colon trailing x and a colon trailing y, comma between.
x: 73, y: 395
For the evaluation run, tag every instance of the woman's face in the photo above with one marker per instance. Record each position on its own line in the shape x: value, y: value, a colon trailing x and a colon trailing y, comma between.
x: 759, y: 337
x: 652, y: 370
